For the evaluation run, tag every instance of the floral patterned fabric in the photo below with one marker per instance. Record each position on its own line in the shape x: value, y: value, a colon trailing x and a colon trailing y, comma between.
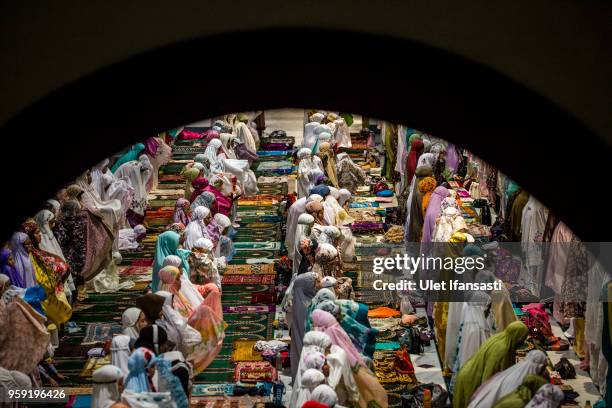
x: 24, y: 323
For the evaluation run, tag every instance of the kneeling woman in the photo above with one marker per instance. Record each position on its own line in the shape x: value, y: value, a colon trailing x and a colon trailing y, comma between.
x: 201, y: 305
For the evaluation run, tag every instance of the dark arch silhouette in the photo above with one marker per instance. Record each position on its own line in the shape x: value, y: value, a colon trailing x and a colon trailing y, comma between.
x: 513, y: 128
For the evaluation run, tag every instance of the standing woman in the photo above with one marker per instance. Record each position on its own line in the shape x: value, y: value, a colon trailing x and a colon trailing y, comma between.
x: 51, y: 272
x: 110, y: 210
x: 416, y: 149
x: 329, y: 163
x: 414, y: 206
x: 371, y: 393
x: 45, y: 220
x: 190, y: 175
x: 159, y: 154
x: 7, y: 267
x: 307, y: 163
x: 167, y: 244
x: 19, y: 244
x: 304, y: 227
x: 86, y: 241
x: 136, y: 173
x: 303, y: 292
x: 433, y: 212
x: 130, y: 155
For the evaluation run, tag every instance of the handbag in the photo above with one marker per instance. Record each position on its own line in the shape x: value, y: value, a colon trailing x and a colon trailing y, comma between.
x: 412, y: 339
x: 565, y: 369
x: 414, y: 397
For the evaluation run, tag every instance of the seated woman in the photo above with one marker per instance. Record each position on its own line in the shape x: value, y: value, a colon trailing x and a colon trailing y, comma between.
x: 495, y: 355
x: 108, y: 280
x: 201, y: 305
x: 130, y: 238
x: 181, y: 336
x: 523, y: 394
x: 509, y: 380
x: 182, y: 211
x: 197, y: 227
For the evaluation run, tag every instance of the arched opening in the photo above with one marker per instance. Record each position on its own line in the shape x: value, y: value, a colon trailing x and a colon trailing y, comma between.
x: 443, y: 94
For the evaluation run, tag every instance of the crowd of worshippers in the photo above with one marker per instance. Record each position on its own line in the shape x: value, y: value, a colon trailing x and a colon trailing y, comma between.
x: 73, y: 244
x: 176, y: 330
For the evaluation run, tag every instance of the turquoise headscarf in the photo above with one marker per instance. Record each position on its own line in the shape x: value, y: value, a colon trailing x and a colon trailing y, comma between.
x: 167, y: 244
x: 512, y: 188
x: 173, y: 133
x: 354, y: 320
x: 131, y: 155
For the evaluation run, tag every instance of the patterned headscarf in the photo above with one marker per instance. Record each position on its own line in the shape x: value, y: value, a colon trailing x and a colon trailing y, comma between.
x: 327, y: 258
x: 177, y: 227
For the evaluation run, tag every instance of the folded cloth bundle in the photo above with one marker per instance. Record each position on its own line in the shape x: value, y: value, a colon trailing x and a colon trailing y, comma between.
x: 254, y: 372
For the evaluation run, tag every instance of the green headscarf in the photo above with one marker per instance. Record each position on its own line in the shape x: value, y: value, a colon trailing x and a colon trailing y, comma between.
x: 131, y: 155
x: 495, y: 355
x: 523, y: 394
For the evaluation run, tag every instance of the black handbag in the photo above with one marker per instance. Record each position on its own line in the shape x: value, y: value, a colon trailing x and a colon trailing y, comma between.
x: 414, y: 397
x: 565, y: 369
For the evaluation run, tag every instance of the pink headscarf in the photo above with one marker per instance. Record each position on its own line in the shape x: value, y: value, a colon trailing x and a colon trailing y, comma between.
x: 224, y: 204
x: 210, y: 135
x: 212, y: 298
x: 325, y: 322
x: 199, y: 184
